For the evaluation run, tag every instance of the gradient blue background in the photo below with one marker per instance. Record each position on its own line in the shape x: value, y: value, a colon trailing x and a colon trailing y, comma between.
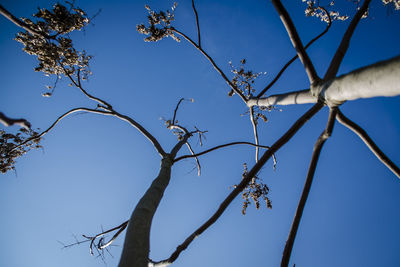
x: 93, y: 169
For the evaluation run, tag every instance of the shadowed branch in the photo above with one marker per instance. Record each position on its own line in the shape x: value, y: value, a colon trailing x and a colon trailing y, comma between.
x: 296, y: 56
x: 197, y: 23
x: 344, y: 45
x: 368, y: 142
x: 239, y: 188
x: 79, y: 86
x: 218, y: 147
x: 296, y: 42
x: 307, y: 186
x: 22, y: 24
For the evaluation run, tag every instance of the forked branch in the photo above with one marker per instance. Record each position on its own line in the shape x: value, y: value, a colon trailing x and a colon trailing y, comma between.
x: 296, y: 56
x: 100, y: 245
x: 141, y: 129
x: 239, y: 188
x: 231, y: 85
x: 79, y: 86
x: 368, y: 142
x: 307, y: 186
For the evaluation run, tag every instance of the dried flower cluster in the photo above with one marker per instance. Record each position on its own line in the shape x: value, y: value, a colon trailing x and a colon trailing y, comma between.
x: 159, y: 25
x: 259, y: 113
x: 13, y: 146
x: 52, y: 45
x: 255, y: 190
x: 315, y: 10
x: 396, y: 3
x: 243, y: 80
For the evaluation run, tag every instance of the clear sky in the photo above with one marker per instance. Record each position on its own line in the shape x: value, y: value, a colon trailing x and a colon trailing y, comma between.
x: 93, y: 169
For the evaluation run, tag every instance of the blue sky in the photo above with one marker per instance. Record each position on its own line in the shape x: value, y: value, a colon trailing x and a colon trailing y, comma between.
x: 93, y: 169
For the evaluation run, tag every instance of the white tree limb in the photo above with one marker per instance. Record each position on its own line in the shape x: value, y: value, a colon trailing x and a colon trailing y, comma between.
x: 379, y: 79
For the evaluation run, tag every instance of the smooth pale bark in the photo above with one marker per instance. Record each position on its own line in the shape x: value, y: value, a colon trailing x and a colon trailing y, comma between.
x: 136, y: 248
x: 379, y: 79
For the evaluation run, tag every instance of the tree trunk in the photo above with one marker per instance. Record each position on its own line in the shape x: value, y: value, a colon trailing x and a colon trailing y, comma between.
x: 136, y: 248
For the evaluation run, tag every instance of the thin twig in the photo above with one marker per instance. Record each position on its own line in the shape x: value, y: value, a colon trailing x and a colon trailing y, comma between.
x: 255, y: 132
x: 344, y: 44
x: 239, y: 188
x: 197, y: 159
x: 307, y: 186
x: 197, y: 23
x: 79, y: 86
x: 296, y: 41
x: 218, y: 147
x: 231, y: 85
x: 368, y: 142
x: 296, y: 56
x: 78, y: 242
x: 176, y: 110
x: 100, y: 245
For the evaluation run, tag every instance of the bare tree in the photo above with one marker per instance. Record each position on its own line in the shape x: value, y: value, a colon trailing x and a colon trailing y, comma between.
x: 48, y: 39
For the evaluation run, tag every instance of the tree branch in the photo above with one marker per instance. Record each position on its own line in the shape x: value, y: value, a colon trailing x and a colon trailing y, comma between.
x: 141, y: 129
x: 379, y: 79
x: 218, y: 147
x: 256, y: 168
x: 110, y: 113
x: 307, y: 186
x: 255, y: 132
x: 196, y: 158
x: 231, y: 85
x: 176, y: 110
x: 344, y: 45
x: 7, y: 121
x: 79, y: 86
x: 22, y: 24
x: 102, y: 245
x: 368, y: 142
x: 296, y: 42
x: 296, y: 56
x: 197, y: 23
x: 290, y: 98
x: 58, y: 120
